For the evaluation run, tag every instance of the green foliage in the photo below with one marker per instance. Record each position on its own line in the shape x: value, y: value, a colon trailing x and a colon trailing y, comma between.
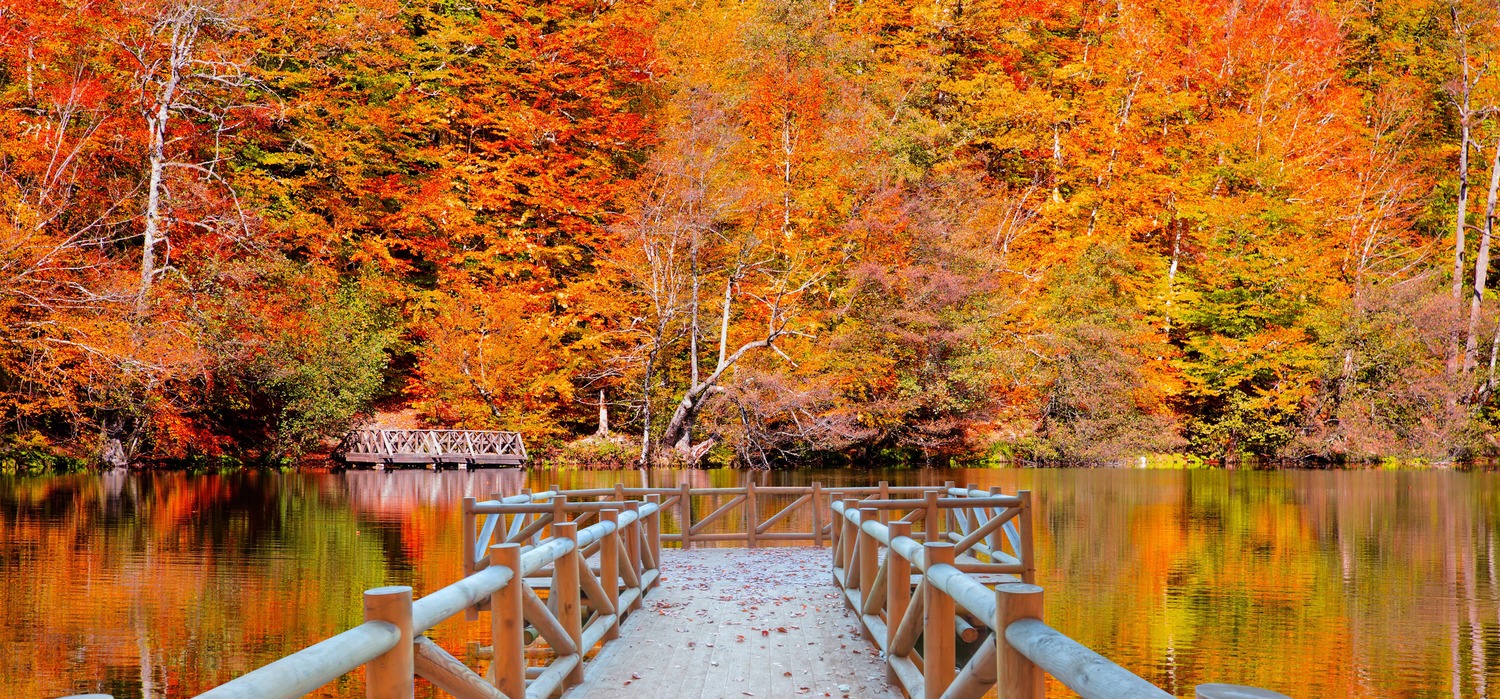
x: 31, y: 455
x: 318, y: 381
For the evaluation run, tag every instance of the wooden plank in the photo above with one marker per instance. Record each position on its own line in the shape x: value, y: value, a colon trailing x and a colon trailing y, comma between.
x: 752, y: 616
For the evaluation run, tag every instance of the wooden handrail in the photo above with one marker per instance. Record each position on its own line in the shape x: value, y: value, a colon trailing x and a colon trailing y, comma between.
x: 1091, y: 675
x: 391, y: 645
x: 312, y: 667
x: 717, y: 522
x: 974, y: 573
x: 949, y: 601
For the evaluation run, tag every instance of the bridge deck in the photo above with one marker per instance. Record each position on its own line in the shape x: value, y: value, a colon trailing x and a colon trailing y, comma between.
x: 382, y: 447
x: 735, y: 623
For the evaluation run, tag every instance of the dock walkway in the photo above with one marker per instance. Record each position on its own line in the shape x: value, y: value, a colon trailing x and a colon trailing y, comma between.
x: 734, y: 623
x: 921, y: 591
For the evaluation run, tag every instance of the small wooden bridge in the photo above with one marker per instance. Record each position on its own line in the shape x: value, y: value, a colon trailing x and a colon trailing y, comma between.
x: 862, y: 592
x: 462, y: 448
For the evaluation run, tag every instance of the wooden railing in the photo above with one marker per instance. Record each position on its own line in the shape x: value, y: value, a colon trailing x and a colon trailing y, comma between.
x: 463, y: 447
x: 584, y: 607
x: 987, y: 534
x: 956, y: 613
x: 974, y: 619
x: 749, y: 515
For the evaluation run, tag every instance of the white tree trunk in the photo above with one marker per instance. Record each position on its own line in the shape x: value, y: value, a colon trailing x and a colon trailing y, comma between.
x: 1482, y: 266
x: 157, y: 161
x: 1462, y: 100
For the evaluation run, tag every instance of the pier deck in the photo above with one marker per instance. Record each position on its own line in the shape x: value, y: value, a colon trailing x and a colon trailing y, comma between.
x: 922, y: 591
x: 735, y: 623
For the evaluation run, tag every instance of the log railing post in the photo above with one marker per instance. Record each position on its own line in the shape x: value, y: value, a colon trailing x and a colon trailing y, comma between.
x: 559, y: 511
x: 897, y: 592
x: 869, y: 563
x: 850, y: 537
x: 949, y: 517
x: 535, y: 536
x: 817, y: 514
x: 833, y: 525
x: 653, y: 532
x: 508, y: 624
x: 632, y: 539
x: 885, y: 494
x: 752, y: 514
x: 1023, y: 529
x: 836, y: 529
x: 469, y: 536
x: 392, y: 675
x: 972, y: 516
x: 997, y: 537
x: 1018, y: 677
x: 938, y: 632
x: 472, y: 613
x: 685, y: 515
x: 930, y: 528
x: 609, y: 569
x: 565, y: 587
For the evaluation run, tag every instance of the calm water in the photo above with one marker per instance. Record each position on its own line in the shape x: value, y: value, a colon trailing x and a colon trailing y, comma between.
x: 1316, y: 584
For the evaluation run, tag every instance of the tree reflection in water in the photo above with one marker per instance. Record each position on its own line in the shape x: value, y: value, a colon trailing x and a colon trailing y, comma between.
x: 1314, y: 583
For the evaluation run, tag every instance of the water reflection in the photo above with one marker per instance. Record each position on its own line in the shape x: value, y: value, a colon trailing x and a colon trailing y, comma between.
x: 1317, y: 584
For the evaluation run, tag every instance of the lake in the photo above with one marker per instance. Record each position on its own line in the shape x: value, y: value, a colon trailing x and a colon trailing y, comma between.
x: 1360, y: 583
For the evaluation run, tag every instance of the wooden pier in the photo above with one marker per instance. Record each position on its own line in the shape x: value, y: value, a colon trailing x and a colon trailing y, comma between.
x: 616, y: 593
x: 463, y: 448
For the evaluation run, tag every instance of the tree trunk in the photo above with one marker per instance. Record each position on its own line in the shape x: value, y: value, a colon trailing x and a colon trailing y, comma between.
x: 603, y: 431
x: 157, y: 162
x: 646, y: 410
x: 787, y: 149
x: 693, y: 332
x: 724, y: 320
x: 1494, y: 350
x: 1482, y: 266
x: 184, y: 34
x: 1463, y: 102
x: 1172, y: 270
x: 680, y: 427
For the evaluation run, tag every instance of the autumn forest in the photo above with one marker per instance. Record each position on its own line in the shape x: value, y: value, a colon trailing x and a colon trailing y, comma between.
x: 752, y: 232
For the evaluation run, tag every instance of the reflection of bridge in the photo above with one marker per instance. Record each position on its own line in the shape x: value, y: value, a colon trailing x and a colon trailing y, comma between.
x: 436, y: 447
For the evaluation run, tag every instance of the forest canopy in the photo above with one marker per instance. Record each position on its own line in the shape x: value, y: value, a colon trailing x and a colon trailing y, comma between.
x: 762, y: 232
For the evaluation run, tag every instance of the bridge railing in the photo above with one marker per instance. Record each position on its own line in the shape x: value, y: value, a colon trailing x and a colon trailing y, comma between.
x: 953, y: 635
x: 586, y: 601
x: 749, y: 515
x: 987, y: 534
x: 373, y: 445
x: 973, y: 617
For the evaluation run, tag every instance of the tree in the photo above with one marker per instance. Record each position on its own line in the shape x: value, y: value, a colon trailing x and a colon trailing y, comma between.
x: 192, y: 87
